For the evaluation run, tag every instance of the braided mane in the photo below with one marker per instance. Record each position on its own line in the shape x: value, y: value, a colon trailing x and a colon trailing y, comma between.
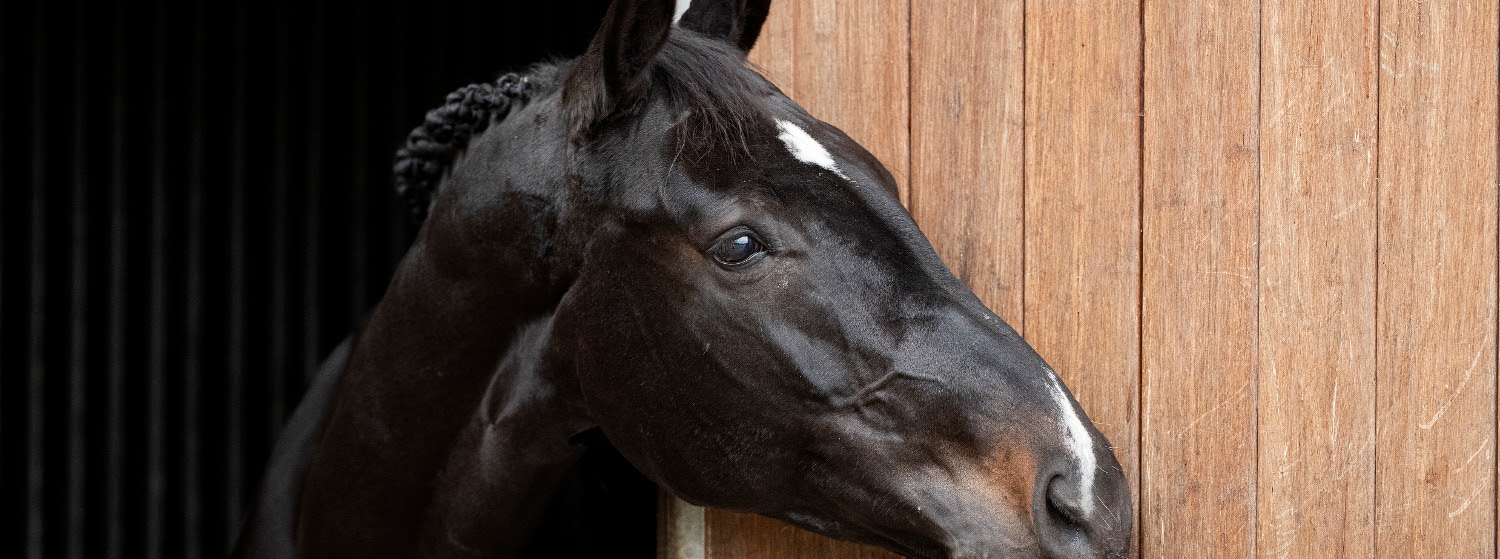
x: 446, y: 130
x: 706, y: 77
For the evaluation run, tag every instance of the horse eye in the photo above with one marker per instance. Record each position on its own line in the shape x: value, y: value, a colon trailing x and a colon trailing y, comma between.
x: 738, y: 250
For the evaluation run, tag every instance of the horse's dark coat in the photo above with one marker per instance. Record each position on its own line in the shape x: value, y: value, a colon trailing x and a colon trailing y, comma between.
x: 846, y: 382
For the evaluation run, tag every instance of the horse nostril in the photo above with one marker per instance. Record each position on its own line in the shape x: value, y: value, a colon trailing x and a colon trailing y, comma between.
x: 1077, y: 520
x: 1063, y: 511
x: 1062, y: 525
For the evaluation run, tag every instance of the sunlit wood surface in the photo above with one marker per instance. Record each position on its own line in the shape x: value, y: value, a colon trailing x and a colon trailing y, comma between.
x: 1257, y: 239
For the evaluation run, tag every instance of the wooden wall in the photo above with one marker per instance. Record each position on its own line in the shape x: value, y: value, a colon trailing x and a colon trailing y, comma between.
x: 1258, y: 241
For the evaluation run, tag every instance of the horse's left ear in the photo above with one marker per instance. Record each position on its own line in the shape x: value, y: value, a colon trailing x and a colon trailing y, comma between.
x: 736, y: 21
x: 615, y: 71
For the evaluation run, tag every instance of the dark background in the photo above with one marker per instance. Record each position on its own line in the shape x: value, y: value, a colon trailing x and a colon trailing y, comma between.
x: 195, y: 207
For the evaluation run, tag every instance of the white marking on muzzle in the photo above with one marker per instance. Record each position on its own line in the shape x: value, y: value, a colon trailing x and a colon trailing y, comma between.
x: 679, y: 9
x: 1079, y: 442
x: 805, y: 148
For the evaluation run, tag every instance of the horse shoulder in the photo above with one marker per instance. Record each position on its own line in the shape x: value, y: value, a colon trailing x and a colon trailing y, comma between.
x: 269, y: 532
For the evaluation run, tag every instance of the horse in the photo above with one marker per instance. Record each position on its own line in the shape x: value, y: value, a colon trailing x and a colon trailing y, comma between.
x: 652, y: 242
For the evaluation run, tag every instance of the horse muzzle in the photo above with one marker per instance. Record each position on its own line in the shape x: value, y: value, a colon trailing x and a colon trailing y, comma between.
x: 1069, y: 517
x: 1076, y: 521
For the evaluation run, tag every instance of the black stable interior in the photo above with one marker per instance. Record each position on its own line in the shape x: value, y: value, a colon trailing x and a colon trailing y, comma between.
x: 195, y: 207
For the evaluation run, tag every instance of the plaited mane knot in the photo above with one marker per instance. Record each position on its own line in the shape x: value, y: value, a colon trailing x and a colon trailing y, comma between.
x: 430, y: 148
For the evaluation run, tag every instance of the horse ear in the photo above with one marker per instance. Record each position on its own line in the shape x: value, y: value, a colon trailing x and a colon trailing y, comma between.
x: 736, y: 21
x: 615, y: 70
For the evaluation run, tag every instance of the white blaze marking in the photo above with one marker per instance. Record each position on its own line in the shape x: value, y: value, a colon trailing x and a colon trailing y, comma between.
x: 1079, y: 442
x: 679, y: 9
x: 805, y: 148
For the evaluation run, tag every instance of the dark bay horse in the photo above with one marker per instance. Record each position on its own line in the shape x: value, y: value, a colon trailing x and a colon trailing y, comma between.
x: 653, y: 242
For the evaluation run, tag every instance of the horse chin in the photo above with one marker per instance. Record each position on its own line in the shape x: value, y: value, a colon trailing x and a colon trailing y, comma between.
x: 962, y: 520
x: 916, y: 546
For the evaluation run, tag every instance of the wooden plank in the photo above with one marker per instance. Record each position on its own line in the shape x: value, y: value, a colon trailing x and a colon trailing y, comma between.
x: 1319, y: 76
x: 1082, y: 207
x: 967, y: 63
x: 1436, y: 302
x: 1083, y: 105
x: 680, y: 528
x: 745, y: 536
x: 1200, y: 149
x: 845, y: 61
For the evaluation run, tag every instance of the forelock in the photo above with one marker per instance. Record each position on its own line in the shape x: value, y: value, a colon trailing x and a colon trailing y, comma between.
x: 709, y: 81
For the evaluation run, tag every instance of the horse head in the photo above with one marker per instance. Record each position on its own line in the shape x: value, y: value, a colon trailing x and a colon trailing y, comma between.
x: 654, y: 241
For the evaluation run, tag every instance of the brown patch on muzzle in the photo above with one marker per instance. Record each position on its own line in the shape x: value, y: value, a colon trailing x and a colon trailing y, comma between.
x: 993, y: 509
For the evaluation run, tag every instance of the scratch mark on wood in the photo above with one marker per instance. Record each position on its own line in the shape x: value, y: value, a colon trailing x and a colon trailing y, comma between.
x: 1482, y: 446
x: 1346, y: 211
x: 1484, y: 484
x: 1456, y: 391
x: 1333, y: 416
x: 1241, y: 394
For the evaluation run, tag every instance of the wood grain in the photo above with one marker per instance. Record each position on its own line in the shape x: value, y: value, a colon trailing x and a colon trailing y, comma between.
x: 745, y: 536
x: 1200, y: 146
x: 1317, y: 279
x: 1083, y: 104
x: 845, y: 61
x: 967, y: 123
x: 1288, y: 260
x: 1436, y: 319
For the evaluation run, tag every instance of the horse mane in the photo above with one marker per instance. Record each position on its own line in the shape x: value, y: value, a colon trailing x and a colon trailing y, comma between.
x: 430, y: 148
x: 706, y: 78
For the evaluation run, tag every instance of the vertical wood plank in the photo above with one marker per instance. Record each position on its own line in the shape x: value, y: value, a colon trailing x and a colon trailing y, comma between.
x: 1317, y: 279
x: 191, y: 486
x: 189, y: 429
x: 36, y: 309
x: 312, y: 198
x: 8, y: 424
x: 845, y: 61
x: 680, y: 528
x: 279, y: 358
x: 1199, y: 154
x: 1083, y: 103
x: 78, y: 297
x: 233, y: 488
x: 157, y: 357
x: 967, y: 63
x: 1435, y: 424
x: 120, y: 229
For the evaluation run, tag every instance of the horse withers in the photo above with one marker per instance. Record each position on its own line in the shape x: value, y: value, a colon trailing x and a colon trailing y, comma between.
x: 652, y: 241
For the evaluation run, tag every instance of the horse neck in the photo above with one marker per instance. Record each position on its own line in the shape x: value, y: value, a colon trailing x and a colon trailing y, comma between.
x: 509, y: 457
x: 409, y: 403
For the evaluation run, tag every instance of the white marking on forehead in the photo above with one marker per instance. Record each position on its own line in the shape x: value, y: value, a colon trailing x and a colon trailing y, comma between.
x: 1079, y: 442
x: 679, y: 9
x: 805, y: 148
